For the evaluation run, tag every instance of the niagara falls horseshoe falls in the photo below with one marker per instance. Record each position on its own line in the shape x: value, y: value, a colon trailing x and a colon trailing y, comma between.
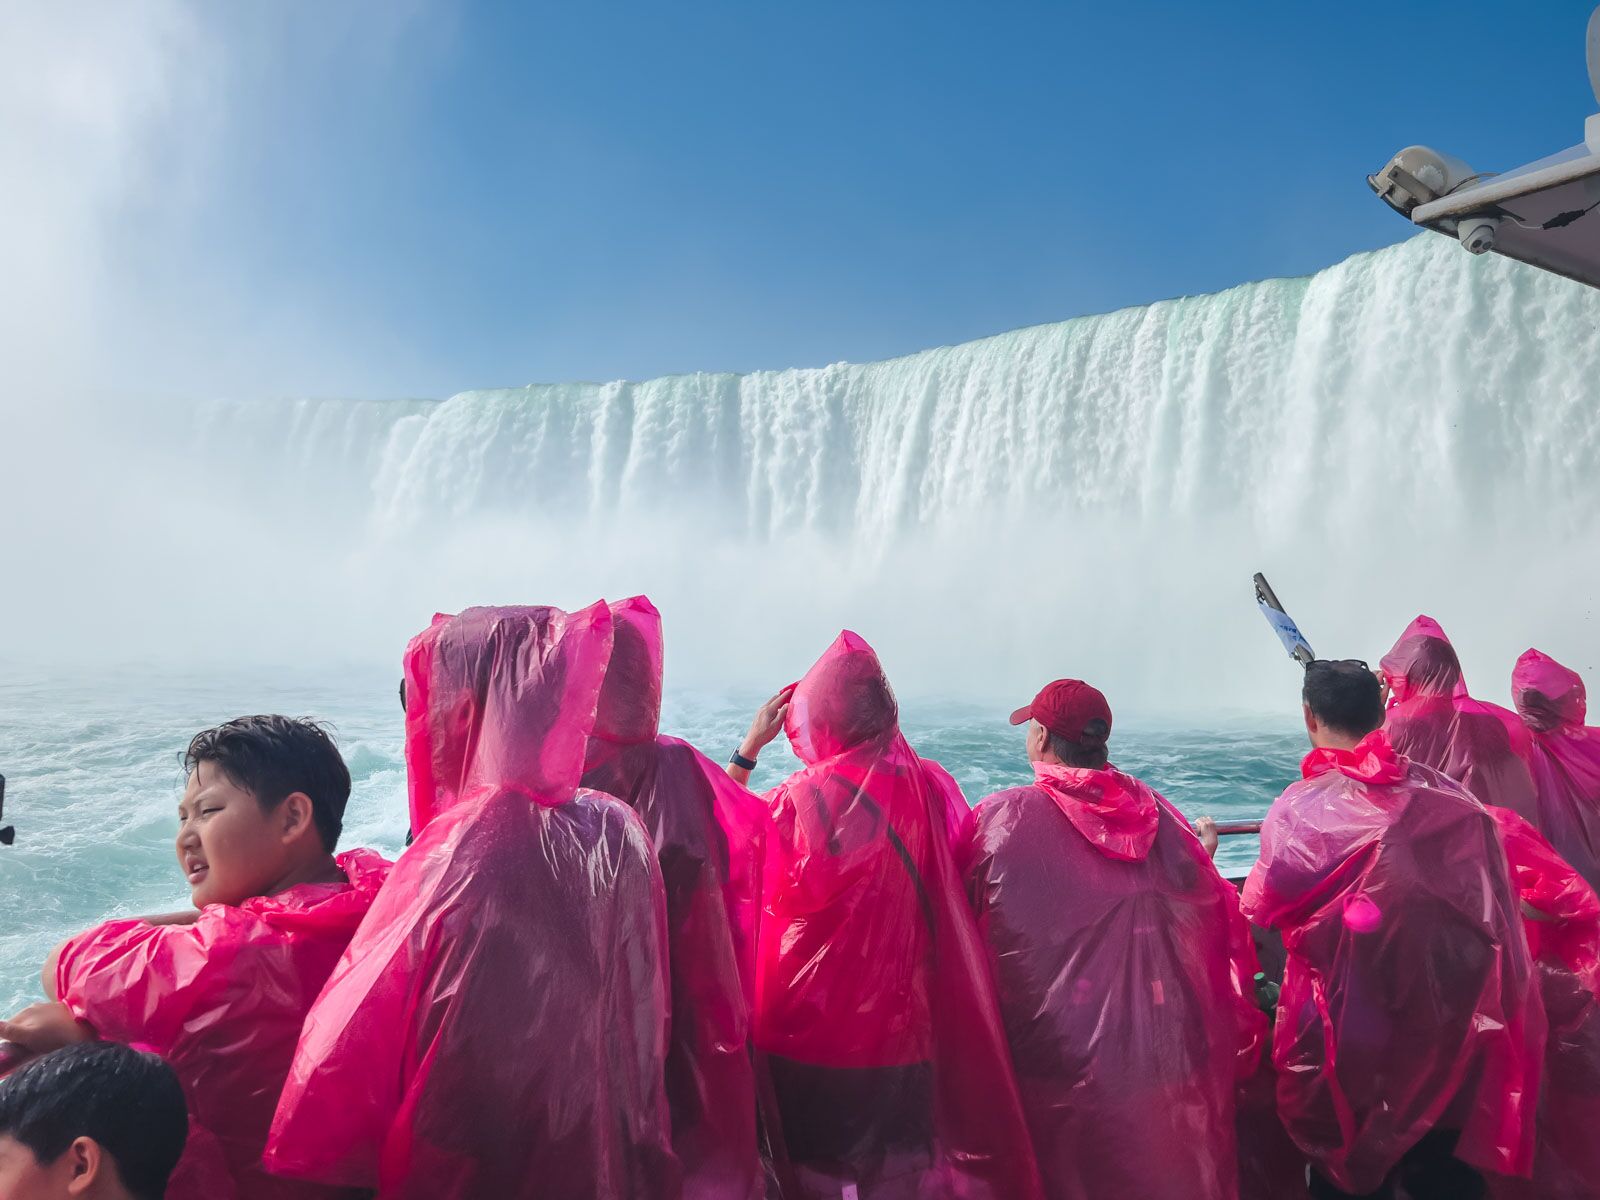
x: 947, y: 602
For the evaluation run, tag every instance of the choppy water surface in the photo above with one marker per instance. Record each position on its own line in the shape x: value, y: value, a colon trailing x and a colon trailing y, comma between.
x: 93, y: 773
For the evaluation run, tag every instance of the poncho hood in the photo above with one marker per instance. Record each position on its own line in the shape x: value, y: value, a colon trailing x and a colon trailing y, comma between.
x: 501, y: 698
x: 1115, y: 812
x: 1547, y: 695
x: 628, y: 711
x: 843, y: 703
x: 1371, y: 760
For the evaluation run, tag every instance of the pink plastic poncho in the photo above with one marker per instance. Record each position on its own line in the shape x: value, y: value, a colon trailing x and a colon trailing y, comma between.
x: 874, y: 999
x: 222, y: 1000
x: 1565, y: 757
x: 710, y: 838
x: 1561, y: 916
x: 1432, y: 720
x: 1409, y: 999
x: 498, y: 1027
x: 1122, y: 960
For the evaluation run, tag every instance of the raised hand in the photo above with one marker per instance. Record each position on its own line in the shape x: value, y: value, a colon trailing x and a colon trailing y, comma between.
x: 767, y: 723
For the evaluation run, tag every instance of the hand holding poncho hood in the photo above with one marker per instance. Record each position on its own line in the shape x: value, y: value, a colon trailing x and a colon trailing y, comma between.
x: 1551, y: 701
x: 1409, y: 999
x: 1432, y: 720
x: 1123, y: 964
x: 498, y: 1026
x: 222, y: 1000
x: 873, y: 991
x: 710, y: 839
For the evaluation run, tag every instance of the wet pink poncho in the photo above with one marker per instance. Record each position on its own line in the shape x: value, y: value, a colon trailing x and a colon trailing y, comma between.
x: 1432, y: 720
x: 222, y: 1000
x: 874, y: 999
x: 1409, y: 999
x: 1561, y: 915
x: 1121, y: 958
x: 498, y: 1027
x: 1565, y: 756
x: 710, y: 839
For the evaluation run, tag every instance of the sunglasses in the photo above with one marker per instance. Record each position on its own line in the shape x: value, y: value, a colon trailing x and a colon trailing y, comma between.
x: 1359, y: 663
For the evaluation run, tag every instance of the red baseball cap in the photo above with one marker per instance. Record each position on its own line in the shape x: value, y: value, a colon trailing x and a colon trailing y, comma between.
x: 1065, y: 707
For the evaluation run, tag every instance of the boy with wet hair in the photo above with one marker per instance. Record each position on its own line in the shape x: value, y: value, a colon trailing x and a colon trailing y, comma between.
x: 96, y: 1122
x: 222, y: 991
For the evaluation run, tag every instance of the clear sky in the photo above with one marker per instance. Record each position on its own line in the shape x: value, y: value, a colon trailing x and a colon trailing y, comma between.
x: 411, y: 199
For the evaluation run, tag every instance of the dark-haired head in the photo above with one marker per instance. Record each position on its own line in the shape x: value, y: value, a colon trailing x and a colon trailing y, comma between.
x: 262, y: 809
x: 94, y: 1112
x: 1343, y: 701
x: 274, y: 757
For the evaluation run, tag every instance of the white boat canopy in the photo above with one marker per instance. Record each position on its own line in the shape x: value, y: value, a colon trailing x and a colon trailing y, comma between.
x: 1546, y: 213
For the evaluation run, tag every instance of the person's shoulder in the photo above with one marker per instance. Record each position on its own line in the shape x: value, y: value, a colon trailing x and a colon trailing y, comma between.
x: 363, y: 867
x: 605, y: 818
x: 677, y: 758
x: 1305, y: 803
x: 109, y: 937
x: 677, y: 750
x: 1004, y: 810
x: 1420, y: 777
x: 1023, y: 794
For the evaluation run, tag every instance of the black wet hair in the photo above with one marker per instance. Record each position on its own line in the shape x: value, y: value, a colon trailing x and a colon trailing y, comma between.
x: 272, y: 757
x: 130, y: 1103
x: 1087, y: 752
x: 1344, y: 695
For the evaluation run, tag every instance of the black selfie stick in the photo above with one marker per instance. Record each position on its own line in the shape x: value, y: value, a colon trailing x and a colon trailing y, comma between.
x: 7, y: 833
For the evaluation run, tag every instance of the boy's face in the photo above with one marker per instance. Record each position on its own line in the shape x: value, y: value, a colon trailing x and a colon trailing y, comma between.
x: 24, y: 1177
x: 229, y: 847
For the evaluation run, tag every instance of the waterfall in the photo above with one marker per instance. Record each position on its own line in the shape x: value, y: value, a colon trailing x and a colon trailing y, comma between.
x: 1411, y: 429
x: 1413, y: 378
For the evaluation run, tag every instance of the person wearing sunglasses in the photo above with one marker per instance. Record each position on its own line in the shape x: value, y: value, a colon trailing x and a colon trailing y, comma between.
x: 1410, y: 1030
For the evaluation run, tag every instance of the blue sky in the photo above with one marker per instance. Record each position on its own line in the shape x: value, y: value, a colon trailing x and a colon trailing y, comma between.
x: 412, y: 199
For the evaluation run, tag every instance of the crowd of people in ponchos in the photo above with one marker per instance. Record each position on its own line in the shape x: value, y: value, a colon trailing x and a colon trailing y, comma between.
x: 605, y: 969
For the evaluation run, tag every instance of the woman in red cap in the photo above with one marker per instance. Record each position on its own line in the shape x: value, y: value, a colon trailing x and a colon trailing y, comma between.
x: 1121, y: 959
x: 875, y: 1006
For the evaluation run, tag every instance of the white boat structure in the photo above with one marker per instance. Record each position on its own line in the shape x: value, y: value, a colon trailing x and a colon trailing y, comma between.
x: 1546, y: 214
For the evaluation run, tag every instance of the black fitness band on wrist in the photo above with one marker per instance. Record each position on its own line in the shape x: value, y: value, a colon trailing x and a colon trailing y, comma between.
x: 740, y: 761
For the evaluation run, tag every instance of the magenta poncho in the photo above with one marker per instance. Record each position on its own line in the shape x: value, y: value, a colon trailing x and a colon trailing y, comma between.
x: 498, y: 1026
x: 1122, y: 960
x: 874, y: 996
x: 1565, y: 756
x: 1409, y: 999
x: 710, y: 839
x: 1561, y: 916
x: 1432, y: 720
x: 222, y: 1000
